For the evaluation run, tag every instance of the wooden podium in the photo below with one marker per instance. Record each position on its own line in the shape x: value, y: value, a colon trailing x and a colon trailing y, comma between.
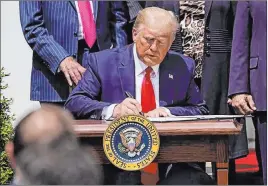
x: 185, y: 141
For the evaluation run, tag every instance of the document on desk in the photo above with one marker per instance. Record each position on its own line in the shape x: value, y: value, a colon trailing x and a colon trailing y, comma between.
x: 195, y: 117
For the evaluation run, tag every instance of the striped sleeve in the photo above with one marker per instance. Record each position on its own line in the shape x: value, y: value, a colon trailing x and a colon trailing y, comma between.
x: 37, y: 35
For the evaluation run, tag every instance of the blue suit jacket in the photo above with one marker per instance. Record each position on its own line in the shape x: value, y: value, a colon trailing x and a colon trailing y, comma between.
x: 248, y: 67
x: 112, y: 72
x: 50, y: 28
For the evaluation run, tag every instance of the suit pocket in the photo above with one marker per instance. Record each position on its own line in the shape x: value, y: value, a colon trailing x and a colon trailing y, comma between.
x: 253, y: 63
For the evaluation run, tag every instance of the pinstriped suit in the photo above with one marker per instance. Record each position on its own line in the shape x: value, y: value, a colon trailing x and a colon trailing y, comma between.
x: 50, y: 28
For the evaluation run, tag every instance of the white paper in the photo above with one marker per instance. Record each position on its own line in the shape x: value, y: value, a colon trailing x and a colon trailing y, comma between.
x: 194, y: 117
x: 172, y: 119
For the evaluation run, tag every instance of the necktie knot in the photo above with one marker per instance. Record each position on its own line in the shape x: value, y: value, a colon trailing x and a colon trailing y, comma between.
x: 148, y: 71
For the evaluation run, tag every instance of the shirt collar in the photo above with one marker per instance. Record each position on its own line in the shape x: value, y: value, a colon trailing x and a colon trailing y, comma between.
x: 139, y: 65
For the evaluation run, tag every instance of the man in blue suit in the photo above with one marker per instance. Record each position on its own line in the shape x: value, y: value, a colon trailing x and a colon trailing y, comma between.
x: 59, y: 32
x: 161, y: 82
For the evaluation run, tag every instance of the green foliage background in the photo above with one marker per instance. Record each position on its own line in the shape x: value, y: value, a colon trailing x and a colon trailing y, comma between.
x: 6, y: 131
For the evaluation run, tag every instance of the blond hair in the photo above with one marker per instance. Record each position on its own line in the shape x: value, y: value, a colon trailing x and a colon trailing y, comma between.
x: 155, y: 15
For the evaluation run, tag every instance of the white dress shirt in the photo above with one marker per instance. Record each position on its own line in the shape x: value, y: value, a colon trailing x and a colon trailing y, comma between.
x: 80, y: 31
x: 139, y: 75
x: 140, y: 68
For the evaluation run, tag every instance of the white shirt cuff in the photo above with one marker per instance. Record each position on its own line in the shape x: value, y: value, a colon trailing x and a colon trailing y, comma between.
x: 107, y: 112
x: 168, y: 111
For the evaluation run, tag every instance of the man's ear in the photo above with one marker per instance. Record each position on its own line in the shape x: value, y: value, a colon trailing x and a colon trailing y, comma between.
x: 9, y: 148
x: 134, y: 34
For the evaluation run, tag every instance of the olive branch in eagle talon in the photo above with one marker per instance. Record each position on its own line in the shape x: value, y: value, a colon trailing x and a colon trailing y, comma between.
x: 131, y: 145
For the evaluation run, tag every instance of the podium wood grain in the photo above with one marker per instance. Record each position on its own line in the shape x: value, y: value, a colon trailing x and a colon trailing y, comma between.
x: 185, y: 141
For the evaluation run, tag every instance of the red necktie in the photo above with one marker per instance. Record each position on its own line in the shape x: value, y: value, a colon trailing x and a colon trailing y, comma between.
x: 148, y: 104
x: 89, y: 27
x: 147, y: 92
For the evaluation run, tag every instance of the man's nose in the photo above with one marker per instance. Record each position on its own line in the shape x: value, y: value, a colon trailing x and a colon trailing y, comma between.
x: 154, y: 46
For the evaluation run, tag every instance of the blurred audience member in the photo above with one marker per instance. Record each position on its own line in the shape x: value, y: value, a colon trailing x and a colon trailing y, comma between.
x: 40, y: 127
x: 59, y: 163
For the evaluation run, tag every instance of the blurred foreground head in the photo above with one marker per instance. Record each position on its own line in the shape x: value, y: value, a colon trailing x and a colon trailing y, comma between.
x: 45, y: 150
x: 58, y: 164
x: 42, y: 126
x: 153, y: 33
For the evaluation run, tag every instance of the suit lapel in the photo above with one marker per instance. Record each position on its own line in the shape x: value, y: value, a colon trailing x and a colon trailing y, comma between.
x: 166, y: 83
x: 126, y: 69
x: 207, y: 8
x: 73, y: 5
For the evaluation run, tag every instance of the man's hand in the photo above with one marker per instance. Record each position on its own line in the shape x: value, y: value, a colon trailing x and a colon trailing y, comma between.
x: 127, y: 107
x: 243, y: 104
x: 72, y: 70
x: 159, y: 112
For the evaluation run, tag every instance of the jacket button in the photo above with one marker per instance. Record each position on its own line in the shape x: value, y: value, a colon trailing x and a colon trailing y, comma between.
x: 75, y: 34
x: 207, y: 29
x: 208, y: 37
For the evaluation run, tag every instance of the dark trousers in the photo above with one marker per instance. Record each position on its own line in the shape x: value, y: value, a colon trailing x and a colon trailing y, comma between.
x: 114, y: 176
x: 260, y: 124
x: 181, y: 173
x: 184, y: 174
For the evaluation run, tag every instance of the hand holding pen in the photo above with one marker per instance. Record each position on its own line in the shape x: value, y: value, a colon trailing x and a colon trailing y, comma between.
x: 130, y: 96
x: 128, y: 106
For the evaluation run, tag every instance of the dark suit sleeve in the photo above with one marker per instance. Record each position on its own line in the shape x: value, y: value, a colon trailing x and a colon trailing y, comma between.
x: 133, y: 7
x: 151, y: 3
x: 37, y: 36
x: 233, y: 4
x: 239, y: 64
x: 83, y: 101
x: 194, y: 103
x: 119, y: 21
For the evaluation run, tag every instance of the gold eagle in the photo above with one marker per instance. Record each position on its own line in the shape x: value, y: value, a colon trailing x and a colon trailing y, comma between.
x: 125, y: 140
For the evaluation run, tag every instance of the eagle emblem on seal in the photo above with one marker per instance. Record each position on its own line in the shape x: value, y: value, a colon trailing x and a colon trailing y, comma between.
x: 131, y: 142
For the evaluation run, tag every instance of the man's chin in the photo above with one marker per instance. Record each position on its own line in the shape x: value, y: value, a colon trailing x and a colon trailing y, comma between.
x: 151, y: 62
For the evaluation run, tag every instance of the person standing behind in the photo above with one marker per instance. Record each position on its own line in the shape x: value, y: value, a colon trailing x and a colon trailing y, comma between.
x: 206, y: 29
x: 133, y: 8
x: 248, y: 84
x: 59, y: 32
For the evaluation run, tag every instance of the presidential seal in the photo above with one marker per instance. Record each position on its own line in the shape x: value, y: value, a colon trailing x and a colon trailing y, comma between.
x: 131, y: 142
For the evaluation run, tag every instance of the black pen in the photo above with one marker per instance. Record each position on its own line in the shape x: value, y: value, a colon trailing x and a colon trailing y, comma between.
x: 130, y: 96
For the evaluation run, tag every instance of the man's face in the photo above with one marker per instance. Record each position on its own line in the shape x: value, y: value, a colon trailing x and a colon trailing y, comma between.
x: 152, y: 45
